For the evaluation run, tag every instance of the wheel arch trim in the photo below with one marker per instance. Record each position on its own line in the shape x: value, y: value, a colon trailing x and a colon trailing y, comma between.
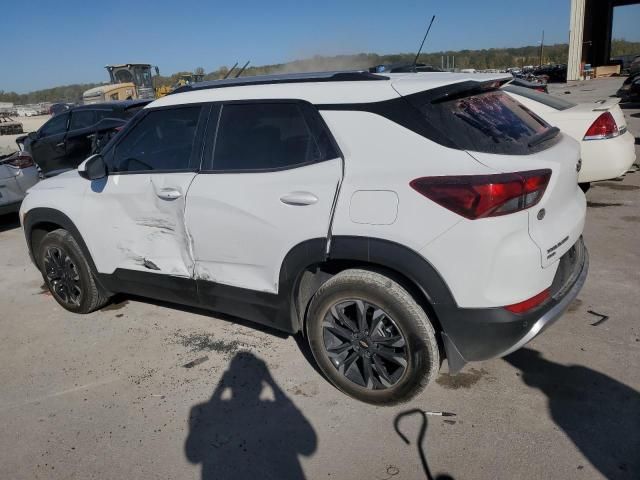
x: 43, y: 215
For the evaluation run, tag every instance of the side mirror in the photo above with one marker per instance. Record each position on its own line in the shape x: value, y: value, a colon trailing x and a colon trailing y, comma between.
x: 93, y: 168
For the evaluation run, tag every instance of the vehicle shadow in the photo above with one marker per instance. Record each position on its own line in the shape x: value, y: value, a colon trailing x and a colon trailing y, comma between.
x: 600, y: 415
x: 120, y: 300
x: 419, y: 441
x: 9, y: 222
x: 249, y: 428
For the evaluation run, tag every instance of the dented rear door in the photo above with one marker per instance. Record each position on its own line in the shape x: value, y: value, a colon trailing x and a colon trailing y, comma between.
x: 134, y: 218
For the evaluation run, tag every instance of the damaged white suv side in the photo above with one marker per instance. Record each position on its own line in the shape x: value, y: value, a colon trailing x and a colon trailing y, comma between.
x: 386, y: 218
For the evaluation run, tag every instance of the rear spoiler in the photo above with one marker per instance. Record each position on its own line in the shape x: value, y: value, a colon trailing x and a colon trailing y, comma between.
x: 605, y: 104
x: 464, y: 89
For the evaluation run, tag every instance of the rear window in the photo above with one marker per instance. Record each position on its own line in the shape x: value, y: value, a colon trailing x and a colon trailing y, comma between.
x: 544, y: 98
x: 490, y: 122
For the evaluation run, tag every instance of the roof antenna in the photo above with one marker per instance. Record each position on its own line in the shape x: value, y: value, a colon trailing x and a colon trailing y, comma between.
x: 229, y: 72
x: 242, y: 69
x: 415, y: 61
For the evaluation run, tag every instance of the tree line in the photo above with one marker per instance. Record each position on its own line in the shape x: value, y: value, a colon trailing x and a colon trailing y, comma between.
x: 478, y: 59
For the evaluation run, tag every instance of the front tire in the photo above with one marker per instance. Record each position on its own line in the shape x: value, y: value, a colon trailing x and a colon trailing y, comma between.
x: 66, y: 273
x: 370, y: 338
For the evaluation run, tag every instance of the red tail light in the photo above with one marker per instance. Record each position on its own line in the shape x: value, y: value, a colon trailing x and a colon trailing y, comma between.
x: 23, y: 160
x: 481, y: 196
x: 530, y: 303
x: 604, y: 127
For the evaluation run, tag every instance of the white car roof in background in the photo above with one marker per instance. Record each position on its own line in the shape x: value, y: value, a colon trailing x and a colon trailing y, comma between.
x: 302, y: 87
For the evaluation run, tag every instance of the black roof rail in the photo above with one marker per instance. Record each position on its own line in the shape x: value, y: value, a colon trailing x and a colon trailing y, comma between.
x: 309, y: 77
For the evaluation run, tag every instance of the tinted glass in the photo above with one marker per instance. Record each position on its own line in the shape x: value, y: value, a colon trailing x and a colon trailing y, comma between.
x: 57, y: 124
x: 263, y: 136
x: 82, y: 119
x: 491, y: 122
x: 162, y: 140
x: 544, y: 98
x: 130, y: 112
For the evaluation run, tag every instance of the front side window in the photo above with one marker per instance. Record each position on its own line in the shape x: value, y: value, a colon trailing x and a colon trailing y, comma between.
x: 264, y: 136
x: 82, y: 119
x: 163, y: 140
x: 57, y: 124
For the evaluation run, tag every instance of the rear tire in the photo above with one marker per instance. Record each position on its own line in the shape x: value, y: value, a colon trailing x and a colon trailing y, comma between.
x: 66, y: 273
x: 370, y: 338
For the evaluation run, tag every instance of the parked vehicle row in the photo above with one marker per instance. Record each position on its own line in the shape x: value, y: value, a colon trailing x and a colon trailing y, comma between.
x: 388, y: 218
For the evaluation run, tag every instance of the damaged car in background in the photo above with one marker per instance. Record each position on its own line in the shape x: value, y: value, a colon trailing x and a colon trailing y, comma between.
x: 18, y: 173
x: 68, y: 138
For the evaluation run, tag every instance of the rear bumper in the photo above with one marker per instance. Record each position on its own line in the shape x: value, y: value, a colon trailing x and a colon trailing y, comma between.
x: 481, y: 334
x: 607, y: 159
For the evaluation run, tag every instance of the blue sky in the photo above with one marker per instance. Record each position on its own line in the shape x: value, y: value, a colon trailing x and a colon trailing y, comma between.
x: 69, y: 41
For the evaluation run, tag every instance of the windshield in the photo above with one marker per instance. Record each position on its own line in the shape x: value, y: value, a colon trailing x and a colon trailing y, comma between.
x: 143, y: 76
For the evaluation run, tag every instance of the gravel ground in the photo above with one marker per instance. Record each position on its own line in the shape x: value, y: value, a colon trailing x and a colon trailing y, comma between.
x: 29, y: 124
x: 107, y: 395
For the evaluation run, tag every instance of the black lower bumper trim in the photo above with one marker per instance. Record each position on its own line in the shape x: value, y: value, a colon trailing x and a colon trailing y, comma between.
x: 481, y: 334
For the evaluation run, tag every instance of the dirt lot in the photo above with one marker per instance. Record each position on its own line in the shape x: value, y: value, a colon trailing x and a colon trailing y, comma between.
x: 29, y: 124
x: 107, y: 395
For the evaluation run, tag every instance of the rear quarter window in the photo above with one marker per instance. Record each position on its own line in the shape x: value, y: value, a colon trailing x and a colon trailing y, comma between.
x: 490, y: 122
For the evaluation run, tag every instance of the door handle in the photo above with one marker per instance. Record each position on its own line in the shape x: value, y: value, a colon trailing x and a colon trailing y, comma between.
x: 60, y: 145
x: 299, y: 198
x: 169, y: 193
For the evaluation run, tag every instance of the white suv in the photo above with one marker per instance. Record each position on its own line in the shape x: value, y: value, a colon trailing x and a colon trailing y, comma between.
x: 389, y: 219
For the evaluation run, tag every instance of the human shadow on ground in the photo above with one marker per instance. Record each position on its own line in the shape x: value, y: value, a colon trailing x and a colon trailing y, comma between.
x: 419, y: 441
x: 600, y: 415
x: 249, y: 428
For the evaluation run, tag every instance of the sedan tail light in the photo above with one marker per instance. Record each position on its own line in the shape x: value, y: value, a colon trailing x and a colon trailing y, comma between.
x: 481, y: 196
x: 23, y: 160
x: 604, y: 127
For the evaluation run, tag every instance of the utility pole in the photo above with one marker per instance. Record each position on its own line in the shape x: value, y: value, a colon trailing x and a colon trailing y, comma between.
x: 541, y: 48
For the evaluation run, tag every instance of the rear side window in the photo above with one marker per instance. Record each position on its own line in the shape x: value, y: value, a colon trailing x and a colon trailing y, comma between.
x: 82, y: 119
x: 490, y: 122
x: 265, y: 136
x: 544, y: 98
x: 162, y: 140
x: 57, y: 124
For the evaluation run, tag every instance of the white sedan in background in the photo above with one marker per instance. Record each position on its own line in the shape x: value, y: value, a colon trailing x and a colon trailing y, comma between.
x: 608, y: 148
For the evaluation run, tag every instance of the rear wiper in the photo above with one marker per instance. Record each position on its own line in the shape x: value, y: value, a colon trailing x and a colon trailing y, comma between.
x: 544, y: 136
